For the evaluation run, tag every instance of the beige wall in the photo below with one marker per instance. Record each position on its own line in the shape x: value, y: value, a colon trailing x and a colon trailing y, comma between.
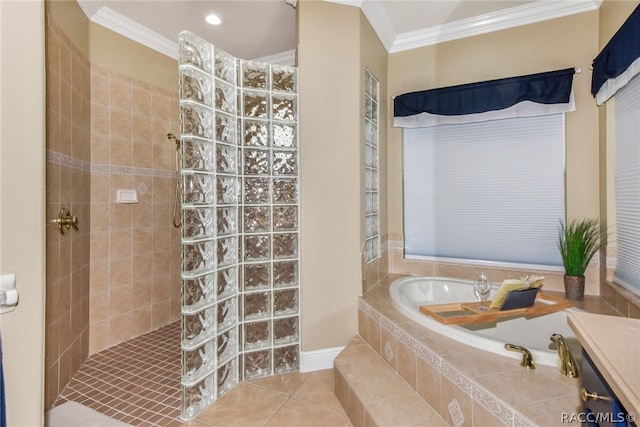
x: 122, y: 55
x: 330, y: 77
x: 22, y: 232
x: 72, y: 21
x: 613, y: 13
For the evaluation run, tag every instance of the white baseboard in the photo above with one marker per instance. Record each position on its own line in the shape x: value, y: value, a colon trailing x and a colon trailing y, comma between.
x: 317, y: 360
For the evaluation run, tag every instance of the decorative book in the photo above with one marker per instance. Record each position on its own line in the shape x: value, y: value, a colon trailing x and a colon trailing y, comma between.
x: 519, y: 299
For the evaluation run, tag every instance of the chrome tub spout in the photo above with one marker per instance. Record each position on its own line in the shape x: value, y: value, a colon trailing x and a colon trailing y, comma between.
x: 567, y: 363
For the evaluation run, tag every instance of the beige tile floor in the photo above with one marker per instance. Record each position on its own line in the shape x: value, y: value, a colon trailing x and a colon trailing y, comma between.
x: 294, y: 399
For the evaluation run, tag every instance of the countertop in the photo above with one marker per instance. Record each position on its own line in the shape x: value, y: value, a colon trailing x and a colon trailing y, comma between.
x: 613, y: 343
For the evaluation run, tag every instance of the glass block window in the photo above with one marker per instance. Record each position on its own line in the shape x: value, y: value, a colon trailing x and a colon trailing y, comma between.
x: 371, y: 174
x: 240, y: 236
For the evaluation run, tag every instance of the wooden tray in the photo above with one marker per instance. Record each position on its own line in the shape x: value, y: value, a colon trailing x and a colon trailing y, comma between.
x: 466, y: 313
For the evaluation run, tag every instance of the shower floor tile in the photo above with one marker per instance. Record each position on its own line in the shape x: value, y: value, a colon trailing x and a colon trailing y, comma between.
x: 137, y: 381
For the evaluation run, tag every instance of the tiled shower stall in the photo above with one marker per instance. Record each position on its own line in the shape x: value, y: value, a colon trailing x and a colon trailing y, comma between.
x: 240, y: 239
x: 118, y: 275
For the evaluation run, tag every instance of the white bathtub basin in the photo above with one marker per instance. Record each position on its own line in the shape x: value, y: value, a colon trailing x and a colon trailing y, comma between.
x: 409, y: 293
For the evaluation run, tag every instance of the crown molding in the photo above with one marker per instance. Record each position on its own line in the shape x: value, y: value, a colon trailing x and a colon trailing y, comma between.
x: 129, y: 28
x: 521, y: 15
x: 514, y: 17
x: 378, y: 18
x: 288, y: 57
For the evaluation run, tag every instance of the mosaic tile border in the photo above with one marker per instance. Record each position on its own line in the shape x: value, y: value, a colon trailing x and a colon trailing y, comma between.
x: 71, y: 162
x: 475, y: 391
x: 67, y: 161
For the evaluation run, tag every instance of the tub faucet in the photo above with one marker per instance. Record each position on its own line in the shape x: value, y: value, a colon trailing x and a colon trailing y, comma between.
x: 567, y: 364
x: 527, y: 357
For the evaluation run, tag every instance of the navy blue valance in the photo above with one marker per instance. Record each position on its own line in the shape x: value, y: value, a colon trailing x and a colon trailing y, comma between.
x: 530, y: 95
x: 619, y: 61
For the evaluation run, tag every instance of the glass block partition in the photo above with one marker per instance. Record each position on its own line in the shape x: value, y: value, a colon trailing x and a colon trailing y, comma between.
x: 371, y: 174
x: 240, y: 288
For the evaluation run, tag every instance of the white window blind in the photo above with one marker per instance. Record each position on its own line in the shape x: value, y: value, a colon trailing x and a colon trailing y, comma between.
x: 628, y: 185
x: 489, y: 192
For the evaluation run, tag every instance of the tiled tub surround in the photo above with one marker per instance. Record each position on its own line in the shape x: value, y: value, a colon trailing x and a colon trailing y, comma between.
x: 620, y: 301
x: 487, y: 389
x: 373, y: 394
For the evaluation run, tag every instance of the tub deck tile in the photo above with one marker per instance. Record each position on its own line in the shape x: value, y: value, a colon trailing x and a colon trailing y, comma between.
x: 498, y: 390
x: 372, y: 393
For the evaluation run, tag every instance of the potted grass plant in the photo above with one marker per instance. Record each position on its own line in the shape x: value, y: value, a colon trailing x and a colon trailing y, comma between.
x: 578, y: 241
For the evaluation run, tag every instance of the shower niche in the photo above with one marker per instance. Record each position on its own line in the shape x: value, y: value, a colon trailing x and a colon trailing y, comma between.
x: 240, y: 221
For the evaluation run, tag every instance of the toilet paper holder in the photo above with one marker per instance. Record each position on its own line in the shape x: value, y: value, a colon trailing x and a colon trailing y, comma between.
x: 65, y: 221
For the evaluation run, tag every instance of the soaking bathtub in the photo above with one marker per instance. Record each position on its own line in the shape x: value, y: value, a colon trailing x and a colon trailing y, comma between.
x: 409, y: 293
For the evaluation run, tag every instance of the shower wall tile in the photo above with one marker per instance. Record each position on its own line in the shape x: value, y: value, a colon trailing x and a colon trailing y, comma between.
x: 68, y: 185
x: 99, y: 86
x: 121, y: 151
x: 142, y: 127
x: 99, y: 273
x: 100, y: 148
x: 141, y: 294
x: 137, y: 273
x: 99, y: 306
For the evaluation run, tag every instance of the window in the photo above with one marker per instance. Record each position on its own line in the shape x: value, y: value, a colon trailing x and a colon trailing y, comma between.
x: 371, y: 175
x: 489, y: 192
x: 627, y: 123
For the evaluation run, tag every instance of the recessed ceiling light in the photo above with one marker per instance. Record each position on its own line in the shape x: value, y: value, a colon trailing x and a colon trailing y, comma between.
x: 213, y: 19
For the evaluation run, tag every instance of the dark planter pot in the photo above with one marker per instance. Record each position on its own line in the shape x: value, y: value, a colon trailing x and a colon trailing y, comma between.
x: 574, y: 287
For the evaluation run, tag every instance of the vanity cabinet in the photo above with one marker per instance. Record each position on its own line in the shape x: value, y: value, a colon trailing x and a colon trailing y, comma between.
x: 601, y: 406
x: 610, y: 368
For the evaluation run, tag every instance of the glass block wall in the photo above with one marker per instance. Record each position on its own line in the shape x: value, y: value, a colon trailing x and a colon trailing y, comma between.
x: 240, y: 289
x: 371, y: 175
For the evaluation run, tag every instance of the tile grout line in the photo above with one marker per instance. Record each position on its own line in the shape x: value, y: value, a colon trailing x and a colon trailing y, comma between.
x: 105, y: 382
